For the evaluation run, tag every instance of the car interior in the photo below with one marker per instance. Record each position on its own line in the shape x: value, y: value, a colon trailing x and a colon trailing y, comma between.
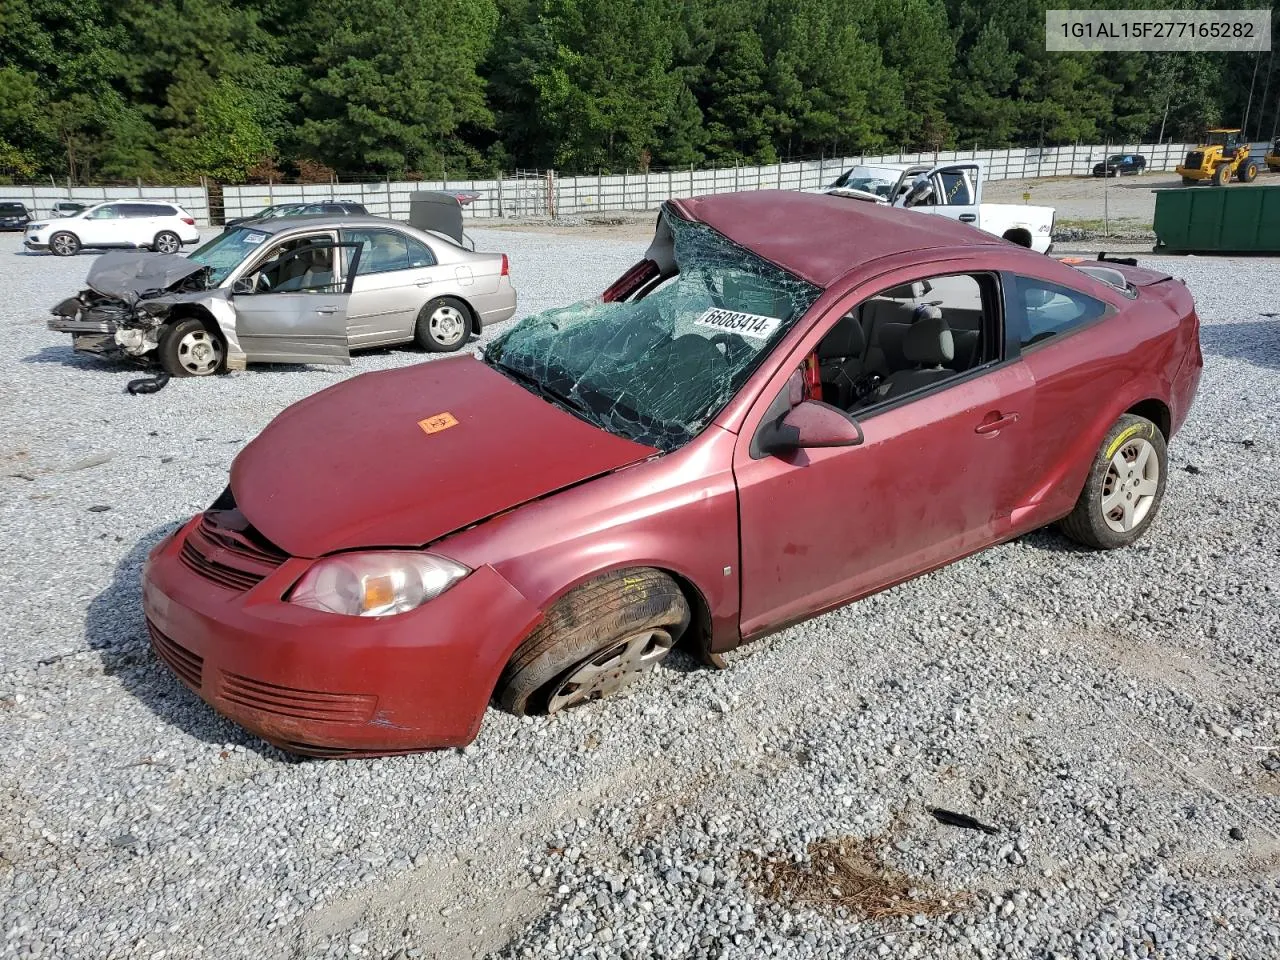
x: 305, y: 264
x: 907, y: 338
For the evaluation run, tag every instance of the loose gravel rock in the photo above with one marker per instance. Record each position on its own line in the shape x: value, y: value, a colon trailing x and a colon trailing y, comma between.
x: 1114, y: 715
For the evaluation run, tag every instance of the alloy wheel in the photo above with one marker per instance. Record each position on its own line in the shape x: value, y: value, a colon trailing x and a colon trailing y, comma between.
x: 611, y: 669
x: 1129, y: 488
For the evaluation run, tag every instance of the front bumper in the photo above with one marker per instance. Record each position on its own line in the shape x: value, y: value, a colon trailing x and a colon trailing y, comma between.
x: 327, y: 685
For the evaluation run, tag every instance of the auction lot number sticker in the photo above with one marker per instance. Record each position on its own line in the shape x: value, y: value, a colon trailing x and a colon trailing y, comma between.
x: 744, y: 324
x: 1072, y: 31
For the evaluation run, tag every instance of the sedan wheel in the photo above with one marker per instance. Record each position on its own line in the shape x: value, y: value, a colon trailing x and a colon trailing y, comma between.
x: 597, y: 639
x: 1125, y: 486
x: 64, y: 244
x: 608, y: 672
x: 187, y: 349
x: 443, y: 325
x: 1129, y: 488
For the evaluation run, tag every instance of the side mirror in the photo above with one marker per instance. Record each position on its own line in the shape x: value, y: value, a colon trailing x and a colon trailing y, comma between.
x: 243, y: 285
x: 811, y: 423
x: 919, y: 192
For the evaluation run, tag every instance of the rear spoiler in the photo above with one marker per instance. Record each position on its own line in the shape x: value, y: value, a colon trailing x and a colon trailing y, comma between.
x: 1127, y: 261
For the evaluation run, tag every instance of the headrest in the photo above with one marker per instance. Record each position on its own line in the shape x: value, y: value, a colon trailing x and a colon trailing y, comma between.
x: 909, y: 291
x: 844, y: 340
x: 928, y: 341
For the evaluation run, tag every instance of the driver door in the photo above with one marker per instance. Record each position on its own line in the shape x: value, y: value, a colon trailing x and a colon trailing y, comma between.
x: 306, y: 320
x: 937, y: 476
x: 957, y: 191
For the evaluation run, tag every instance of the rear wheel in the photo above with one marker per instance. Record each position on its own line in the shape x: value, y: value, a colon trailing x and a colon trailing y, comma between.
x: 187, y: 349
x: 1247, y: 172
x: 443, y: 325
x: 1222, y: 176
x: 596, y: 640
x: 1125, y: 486
x: 166, y: 241
x: 63, y: 244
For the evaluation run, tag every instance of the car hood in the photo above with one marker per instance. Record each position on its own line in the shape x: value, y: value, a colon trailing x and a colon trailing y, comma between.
x: 403, y: 457
x: 129, y: 275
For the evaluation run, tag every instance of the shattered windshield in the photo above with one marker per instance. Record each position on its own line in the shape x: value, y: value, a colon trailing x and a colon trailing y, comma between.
x: 657, y: 370
x: 224, y: 252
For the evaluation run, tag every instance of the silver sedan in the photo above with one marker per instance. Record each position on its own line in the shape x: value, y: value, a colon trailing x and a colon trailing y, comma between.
x: 292, y: 290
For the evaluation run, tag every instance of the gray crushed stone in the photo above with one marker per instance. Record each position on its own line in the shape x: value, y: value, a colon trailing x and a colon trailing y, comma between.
x: 1115, y: 716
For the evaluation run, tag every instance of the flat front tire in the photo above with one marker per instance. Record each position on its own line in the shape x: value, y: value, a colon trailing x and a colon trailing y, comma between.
x: 597, y: 639
x: 1125, y: 487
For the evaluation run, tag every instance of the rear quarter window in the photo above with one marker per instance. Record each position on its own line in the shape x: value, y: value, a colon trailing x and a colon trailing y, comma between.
x: 1043, y: 311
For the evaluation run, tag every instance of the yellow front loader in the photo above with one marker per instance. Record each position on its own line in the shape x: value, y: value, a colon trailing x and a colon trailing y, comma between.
x: 1223, y: 156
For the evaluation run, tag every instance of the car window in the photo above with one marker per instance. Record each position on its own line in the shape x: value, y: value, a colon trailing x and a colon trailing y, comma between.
x: 909, y: 337
x: 956, y: 190
x: 109, y: 212
x: 382, y: 251
x: 146, y: 210
x: 300, y: 265
x: 228, y: 250
x: 1045, y: 310
x: 12, y: 209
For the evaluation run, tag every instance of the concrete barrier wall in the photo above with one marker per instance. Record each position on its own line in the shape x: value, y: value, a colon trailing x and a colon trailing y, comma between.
x: 40, y: 199
x: 543, y: 193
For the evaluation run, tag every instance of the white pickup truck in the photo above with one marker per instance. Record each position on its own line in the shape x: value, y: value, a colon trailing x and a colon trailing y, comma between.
x: 951, y: 190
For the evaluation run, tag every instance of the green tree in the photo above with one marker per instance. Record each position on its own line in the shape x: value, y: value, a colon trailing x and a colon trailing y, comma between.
x: 392, y: 87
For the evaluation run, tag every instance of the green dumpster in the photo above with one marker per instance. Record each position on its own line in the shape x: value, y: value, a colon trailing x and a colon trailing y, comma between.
x: 1231, y: 219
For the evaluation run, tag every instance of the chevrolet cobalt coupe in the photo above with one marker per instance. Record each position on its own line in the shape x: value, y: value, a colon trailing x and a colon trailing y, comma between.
x: 789, y: 403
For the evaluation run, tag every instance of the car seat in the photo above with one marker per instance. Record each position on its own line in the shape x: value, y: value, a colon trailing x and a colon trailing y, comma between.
x: 840, y: 358
x: 928, y: 346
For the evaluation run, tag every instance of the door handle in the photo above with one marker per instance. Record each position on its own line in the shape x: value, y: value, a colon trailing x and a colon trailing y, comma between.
x: 425, y: 283
x: 995, y: 422
x: 326, y: 309
x: 968, y: 217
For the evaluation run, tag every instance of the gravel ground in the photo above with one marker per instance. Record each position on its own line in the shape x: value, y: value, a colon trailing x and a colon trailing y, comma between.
x: 1128, y: 202
x: 1115, y: 717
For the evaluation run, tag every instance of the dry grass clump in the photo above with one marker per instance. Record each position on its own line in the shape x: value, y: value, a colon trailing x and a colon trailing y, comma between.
x: 848, y: 873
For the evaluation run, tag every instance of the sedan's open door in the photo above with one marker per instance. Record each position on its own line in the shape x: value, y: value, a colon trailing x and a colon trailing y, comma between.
x: 954, y: 190
x: 294, y: 308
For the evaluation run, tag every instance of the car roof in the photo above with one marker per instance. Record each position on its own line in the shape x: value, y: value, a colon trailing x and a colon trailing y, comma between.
x: 314, y: 220
x: 819, y: 237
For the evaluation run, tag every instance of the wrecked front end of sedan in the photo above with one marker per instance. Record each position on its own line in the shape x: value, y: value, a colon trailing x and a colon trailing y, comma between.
x: 135, y: 305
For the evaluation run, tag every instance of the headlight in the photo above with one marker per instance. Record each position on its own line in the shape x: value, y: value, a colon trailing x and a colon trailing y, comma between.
x: 376, y: 584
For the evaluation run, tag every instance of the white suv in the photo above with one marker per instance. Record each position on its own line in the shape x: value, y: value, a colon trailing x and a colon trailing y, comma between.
x: 163, y: 227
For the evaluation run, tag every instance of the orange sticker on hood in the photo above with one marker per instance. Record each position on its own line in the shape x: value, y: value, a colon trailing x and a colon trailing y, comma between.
x: 441, y: 421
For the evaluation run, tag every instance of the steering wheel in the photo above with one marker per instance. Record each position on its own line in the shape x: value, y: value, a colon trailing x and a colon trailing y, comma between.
x: 735, y: 348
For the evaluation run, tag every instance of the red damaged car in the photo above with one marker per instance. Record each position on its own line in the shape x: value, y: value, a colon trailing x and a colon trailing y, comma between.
x: 791, y: 402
